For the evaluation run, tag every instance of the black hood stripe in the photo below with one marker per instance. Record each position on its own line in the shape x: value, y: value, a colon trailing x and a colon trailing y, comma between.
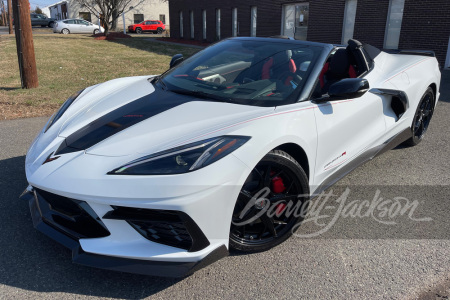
x: 125, y: 116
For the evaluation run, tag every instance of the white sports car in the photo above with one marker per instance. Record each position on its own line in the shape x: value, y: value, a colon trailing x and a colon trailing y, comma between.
x: 162, y: 175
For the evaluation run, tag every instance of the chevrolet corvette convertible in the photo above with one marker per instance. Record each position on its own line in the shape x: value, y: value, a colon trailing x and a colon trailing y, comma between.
x: 162, y: 175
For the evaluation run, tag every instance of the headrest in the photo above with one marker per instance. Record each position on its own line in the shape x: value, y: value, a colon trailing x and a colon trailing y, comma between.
x: 354, y: 44
x: 339, y: 63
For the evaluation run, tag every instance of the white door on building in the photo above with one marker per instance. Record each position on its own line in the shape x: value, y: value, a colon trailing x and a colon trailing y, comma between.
x: 295, y: 19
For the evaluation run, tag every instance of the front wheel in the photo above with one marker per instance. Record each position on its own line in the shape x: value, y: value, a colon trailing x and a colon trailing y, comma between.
x: 138, y: 30
x: 268, y: 207
x: 159, y: 31
x: 65, y: 31
x: 422, y: 118
x: 96, y: 31
x: 51, y: 24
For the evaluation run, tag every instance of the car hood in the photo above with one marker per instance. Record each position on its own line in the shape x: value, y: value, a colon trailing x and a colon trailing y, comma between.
x: 128, y: 116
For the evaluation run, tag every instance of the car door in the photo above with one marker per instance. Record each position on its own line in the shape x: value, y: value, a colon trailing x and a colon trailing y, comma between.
x: 154, y: 26
x: 34, y: 20
x: 147, y: 26
x: 346, y: 130
x: 41, y: 20
x: 85, y: 26
x: 78, y: 27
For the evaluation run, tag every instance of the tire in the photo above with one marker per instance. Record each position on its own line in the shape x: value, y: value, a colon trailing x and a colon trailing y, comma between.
x: 138, y: 30
x: 51, y: 24
x: 422, y: 118
x: 65, y: 31
x: 96, y: 31
x: 159, y: 30
x: 254, y: 231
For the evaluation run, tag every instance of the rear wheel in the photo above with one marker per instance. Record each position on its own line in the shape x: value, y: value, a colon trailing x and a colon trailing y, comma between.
x: 264, y: 214
x: 159, y: 31
x: 138, y: 30
x: 422, y: 118
x: 65, y: 31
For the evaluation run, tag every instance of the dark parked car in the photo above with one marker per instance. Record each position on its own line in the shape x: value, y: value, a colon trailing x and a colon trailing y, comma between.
x: 38, y: 19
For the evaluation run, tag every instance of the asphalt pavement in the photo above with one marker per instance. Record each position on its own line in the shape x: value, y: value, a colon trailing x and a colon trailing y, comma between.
x: 348, y: 263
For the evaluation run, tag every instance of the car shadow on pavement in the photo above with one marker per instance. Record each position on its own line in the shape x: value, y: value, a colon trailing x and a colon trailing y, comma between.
x: 31, y: 261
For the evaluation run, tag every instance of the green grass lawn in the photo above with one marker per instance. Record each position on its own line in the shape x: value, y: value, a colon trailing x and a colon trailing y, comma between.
x: 68, y: 63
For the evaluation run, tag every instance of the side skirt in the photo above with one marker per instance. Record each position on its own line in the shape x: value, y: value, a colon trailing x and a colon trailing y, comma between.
x: 363, y: 158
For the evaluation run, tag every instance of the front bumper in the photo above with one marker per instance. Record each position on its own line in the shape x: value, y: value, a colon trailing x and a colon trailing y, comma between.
x: 44, y: 216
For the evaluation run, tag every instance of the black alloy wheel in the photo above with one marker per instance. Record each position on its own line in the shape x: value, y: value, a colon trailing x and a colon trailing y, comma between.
x: 422, y: 118
x: 264, y: 214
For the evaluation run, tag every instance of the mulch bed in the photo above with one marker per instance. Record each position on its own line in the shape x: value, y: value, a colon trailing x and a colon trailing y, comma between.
x: 111, y: 36
x: 183, y: 41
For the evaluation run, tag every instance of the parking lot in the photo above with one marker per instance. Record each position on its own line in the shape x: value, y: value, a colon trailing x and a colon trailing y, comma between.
x: 346, y: 264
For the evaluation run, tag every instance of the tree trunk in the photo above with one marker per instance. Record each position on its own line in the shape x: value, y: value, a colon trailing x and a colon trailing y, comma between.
x: 24, y: 42
x: 114, y: 22
x: 10, y: 23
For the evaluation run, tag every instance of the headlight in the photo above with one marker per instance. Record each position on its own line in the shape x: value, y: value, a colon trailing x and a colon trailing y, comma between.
x: 183, y: 159
x: 62, y: 109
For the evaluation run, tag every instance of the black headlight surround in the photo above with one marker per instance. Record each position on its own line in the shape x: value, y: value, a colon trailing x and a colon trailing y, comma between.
x: 62, y: 109
x: 201, y: 160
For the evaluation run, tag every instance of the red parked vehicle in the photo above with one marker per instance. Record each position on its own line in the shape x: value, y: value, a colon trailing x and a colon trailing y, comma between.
x: 154, y: 26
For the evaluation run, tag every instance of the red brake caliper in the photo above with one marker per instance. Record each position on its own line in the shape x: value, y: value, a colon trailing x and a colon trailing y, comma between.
x: 278, y: 187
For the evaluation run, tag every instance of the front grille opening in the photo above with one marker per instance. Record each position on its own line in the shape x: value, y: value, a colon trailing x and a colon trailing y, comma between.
x: 172, y: 228
x: 172, y: 234
x: 70, y: 216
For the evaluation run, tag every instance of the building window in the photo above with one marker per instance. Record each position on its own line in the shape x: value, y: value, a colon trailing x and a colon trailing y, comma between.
x: 218, y: 24
x: 191, y: 21
x: 394, y: 24
x: 254, y: 12
x: 349, y: 20
x: 181, y: 24
x: 234, y: 22
x: 162, y: 18
x: 204, y: 23
x: 138, y: 18
x: 447, y: 60
x: 85, y: 16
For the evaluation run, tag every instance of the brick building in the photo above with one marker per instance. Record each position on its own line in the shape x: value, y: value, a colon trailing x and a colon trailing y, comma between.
x: 390, y: 24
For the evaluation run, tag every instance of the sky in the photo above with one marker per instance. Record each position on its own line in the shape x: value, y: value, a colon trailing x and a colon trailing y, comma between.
x: 40, y: 3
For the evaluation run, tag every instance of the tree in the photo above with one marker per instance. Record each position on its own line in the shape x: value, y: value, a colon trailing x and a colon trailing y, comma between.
x: 38, y: 10
x: 108, y: 10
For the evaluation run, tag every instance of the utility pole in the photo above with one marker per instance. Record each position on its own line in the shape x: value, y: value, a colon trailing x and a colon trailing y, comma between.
x: 24, y: 42
x: 10, y: 23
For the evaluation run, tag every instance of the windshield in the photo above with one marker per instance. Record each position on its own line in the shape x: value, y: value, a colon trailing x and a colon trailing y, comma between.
x: 251, y: 72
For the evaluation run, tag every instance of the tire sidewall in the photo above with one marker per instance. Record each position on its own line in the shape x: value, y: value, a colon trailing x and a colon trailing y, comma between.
x: 415, y: 140
x: 283, y: 159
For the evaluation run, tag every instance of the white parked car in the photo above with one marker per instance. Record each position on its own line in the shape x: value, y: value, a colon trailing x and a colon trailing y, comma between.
x: 76, y: 26
x: 161, y: 175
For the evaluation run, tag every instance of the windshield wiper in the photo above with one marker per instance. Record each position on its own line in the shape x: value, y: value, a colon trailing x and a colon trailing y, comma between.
x: 201, y: 94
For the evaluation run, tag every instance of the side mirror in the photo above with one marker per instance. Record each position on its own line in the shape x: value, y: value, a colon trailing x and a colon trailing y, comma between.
x: 176, y: 59
x: 348, y: 88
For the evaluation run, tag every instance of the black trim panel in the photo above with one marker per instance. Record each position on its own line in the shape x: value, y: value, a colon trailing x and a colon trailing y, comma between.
x: 154, y: 217
x: 143, y: 267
